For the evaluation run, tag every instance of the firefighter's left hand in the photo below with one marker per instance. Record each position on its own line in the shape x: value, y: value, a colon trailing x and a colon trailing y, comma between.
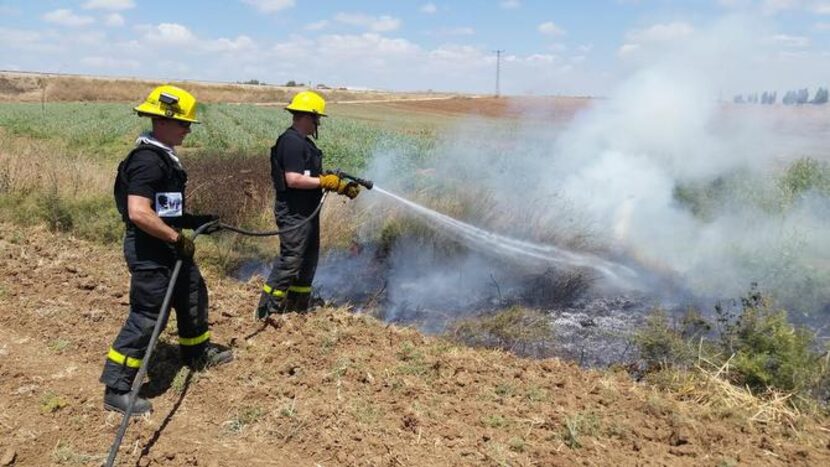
x: 185, y: 247
x: 350, y: 189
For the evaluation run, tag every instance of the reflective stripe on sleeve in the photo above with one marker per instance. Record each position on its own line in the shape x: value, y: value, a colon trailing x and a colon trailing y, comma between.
x: 194, y: 340
x: 122, y: 359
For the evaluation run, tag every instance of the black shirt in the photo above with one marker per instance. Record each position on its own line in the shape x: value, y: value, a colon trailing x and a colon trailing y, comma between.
x: 295, y: 153
x: 150, y: 173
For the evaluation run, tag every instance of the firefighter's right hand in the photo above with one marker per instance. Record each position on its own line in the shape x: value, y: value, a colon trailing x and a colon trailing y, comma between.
x: 330, y: 182
x: 185, y: 247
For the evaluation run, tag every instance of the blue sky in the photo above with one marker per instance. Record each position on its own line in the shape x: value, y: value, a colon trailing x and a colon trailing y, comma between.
x: 552, y: 47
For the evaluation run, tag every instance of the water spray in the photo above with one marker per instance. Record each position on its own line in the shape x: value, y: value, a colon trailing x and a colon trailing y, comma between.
x: 522, y: 250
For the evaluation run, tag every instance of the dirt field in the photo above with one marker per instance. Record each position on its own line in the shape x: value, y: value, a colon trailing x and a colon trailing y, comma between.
x: 330, y: 388
x: 550, y: 108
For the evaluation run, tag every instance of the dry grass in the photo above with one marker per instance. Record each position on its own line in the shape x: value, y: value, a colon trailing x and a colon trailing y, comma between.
x: 28, y: 166
x: 708, y: 386
x: 34, y: 87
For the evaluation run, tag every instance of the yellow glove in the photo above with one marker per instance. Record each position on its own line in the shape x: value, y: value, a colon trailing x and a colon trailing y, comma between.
x: 330, y: 182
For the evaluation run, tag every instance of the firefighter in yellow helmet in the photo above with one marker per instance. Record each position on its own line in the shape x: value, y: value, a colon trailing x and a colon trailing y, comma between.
x: 150, y: 196
x: 299, y: 181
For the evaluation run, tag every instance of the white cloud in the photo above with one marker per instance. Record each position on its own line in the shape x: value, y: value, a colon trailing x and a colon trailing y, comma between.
x: 785, y: 40
x: 18, y: 37
x: 822, y: 8
x: 317, y: 25
x: 822, y: 26
x: 168, y: 33
x: 114, y: 20
x: 64, y: 17
x: 373, y: 23
x: 429, y: 8
x: 551, y: 29
x: 89, y: 38
x: 112, y: 5
x: 734, y: 3
x: 241, y: 43
x: 368, y: 43
x: 510, y: 4
x: 627, y: 49
x: 772, y: 7
x: 459, y: 31
x: 270, y: 6
x: 109, y: 62
x: 541, y: 58
x: 661, y: 32
x: 558, y: 47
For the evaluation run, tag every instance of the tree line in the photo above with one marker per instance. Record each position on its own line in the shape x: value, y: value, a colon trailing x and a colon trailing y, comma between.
x: 793, y: 97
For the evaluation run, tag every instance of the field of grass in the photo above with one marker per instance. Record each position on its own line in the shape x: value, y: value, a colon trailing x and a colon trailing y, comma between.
x: 59, y: 159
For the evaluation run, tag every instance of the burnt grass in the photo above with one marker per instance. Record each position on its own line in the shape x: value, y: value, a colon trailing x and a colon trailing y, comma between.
x: 549, y: 313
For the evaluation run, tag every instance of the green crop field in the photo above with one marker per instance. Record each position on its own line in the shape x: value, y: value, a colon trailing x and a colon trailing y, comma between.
x: 59, y: 160
x: 106, y: 131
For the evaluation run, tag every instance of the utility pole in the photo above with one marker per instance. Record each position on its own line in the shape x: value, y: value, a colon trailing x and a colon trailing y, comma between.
x: 498, y: 70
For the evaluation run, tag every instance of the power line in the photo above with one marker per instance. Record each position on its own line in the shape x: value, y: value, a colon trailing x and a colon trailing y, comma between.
x: 498, y: 71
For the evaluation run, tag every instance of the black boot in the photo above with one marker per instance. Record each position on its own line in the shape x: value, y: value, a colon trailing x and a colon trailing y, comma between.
x: 117, y: 401
x: 268, y: 305
x: 212, y: 355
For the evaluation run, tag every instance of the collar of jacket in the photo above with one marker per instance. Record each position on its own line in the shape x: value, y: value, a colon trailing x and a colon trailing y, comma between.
x: 148, y: 138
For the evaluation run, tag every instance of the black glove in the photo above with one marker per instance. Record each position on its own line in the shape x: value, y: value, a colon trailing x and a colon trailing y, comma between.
x: 185, y: 247
x: 194, y: 221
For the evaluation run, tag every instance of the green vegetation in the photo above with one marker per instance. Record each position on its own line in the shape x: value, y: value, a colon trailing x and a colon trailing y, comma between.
x: 577, y: 426
x: 60, y: 160
x: 51, y: 403
x: 755, y: 346
x: 775, y: 195
x: 65, y: 453
x: 244, y: 418
x: 518, y: 329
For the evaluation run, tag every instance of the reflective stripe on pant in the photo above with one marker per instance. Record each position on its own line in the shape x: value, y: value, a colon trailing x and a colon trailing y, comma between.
x: 147, y: 289
x: 294, y: 270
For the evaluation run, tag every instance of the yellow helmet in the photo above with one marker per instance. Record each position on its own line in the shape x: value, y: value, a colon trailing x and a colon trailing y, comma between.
x: 169, y: 102
x: 309, y: 102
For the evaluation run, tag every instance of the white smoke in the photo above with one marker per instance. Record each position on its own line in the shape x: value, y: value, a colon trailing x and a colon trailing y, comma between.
x: 611, y: 175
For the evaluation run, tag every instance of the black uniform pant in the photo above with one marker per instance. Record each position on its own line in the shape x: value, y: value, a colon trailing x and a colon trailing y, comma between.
x: 293, y: 272
x: 147, y: 290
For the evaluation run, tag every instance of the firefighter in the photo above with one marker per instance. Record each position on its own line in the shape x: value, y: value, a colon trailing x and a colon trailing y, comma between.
x: 299, y: 181
x: 150, y: 196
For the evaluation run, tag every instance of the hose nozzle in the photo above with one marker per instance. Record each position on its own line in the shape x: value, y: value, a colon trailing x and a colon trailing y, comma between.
x: 360, y: 181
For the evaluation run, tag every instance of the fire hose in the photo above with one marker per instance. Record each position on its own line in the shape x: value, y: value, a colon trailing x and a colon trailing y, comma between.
x: 165, y: 306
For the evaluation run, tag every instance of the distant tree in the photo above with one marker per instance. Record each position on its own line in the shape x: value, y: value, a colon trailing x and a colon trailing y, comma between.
x: 789, y: 98
x: 253, y: 81
x: 291, y: 83
x: 803, y: 96
x: 773, y: 96
x: 738, y: 99
x: 821, y: 96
